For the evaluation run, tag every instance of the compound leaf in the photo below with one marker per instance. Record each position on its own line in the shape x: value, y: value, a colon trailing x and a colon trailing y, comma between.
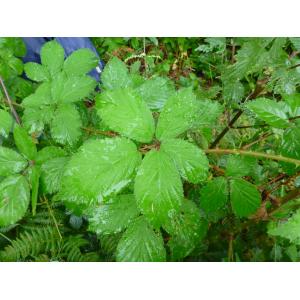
x: 190, y: 161
x: 158, y: 188
x: 245, y: 198
x: 11, y: 162
x: 140, y: 243
x: 14, y: 199
x: 36, y: 72
x: 80, y: 62
x: 114, y: 216
x: 125, y: 112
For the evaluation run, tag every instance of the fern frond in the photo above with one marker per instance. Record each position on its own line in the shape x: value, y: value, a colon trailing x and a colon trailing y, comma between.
x: 32, y: 243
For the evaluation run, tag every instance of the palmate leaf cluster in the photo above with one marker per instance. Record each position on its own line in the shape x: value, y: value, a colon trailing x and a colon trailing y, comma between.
x: 127, y: 162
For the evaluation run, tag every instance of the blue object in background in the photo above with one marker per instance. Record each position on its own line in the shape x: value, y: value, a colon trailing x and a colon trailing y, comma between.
x: 70, y: 44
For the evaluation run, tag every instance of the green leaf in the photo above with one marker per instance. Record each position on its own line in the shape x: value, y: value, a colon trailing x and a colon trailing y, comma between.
x: 11, y: 162
x: 289, y: 229
x: 80, y: 62
x: 125, y: 112
x: 207, y: 113
x: 158, y: 188
x: 296, y: 42
x: 187, y: 229
x: 140, y: 243
x: 99, y: 169
x: 51, y: 174
x: 66, y: 124
x: 36, y: 72
x: 190, y: 161
x: 177, y: 115
x: 214, y: 195
x: 48, y: 153
x: 24, y: 143
x: 76, y: 88
x: 156, y: 91
x: 52, y: 57
x: 245, y: 198
x: 14, y: 199
x: 6, y: 123
x: 233, y: 91
x: 294, y: 103
x: 34, y: 183
x: 113, y: 216
x: 269, y: 111
x: 115, y: 75
x: 239, y: 166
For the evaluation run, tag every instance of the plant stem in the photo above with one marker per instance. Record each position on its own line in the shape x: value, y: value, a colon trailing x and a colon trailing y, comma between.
x: 9, y: 102
x: 254, y: 154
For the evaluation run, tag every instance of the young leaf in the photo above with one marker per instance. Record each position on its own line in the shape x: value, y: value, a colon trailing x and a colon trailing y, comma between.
x: 115, y: 75
x: 245, y: 198
x: 99, y: 169
x: 52, y: 57
x: 36, y: 72
x: 187, y: 229
x: 190, y: 161
x: 14, y: 199
x: 269, y: 111
x: 113, y: 216
x: 6, y: 123
x: 11, y: 162
x: 214, y: 195
x: 156, y: 91
x: 289, y: 229
x: 51, y: 174
x: 125, y: 112
x: 24, y: 143
x: 66, y: 124
x: 80, y: 62
x: 158, y: 188
x: 177, y: 115
x: 141, y: 244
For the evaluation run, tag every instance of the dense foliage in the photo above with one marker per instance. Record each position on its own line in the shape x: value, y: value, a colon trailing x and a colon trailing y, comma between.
x: 187, y: 150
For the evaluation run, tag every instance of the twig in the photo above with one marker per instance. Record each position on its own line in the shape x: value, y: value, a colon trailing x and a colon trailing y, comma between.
x: 259, y: 88
x: 255, y: 154
x: 10, y: 102
x: 263, y: 137
x: 100, y: 132
x: 4, y: 236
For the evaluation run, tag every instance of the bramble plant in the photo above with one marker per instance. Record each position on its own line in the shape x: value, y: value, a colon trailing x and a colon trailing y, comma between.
x: 188, y: 149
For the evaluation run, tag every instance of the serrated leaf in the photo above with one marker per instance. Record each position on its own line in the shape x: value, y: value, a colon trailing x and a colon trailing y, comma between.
x: 158, y: 188
x: 51, y: 174
x: 80, y: 62
x: 36, y: 72
x: 296, y: 42
x: 113, y: 216
x: 141, y: 244
x: 99, y: 169
x: 289, y: 229
x: 186, y: 229
x: 233, y: 91
x: 207, y: 113
x: 177, y: 115
x: 6, y: 123
x: 52, y: 57
x: 214, y: 195
x: 66, y: 124
x: 156, y: 91
x: 190, y: 160
x: 24, y: 143
x: 48, y: 153
x: 245, y: 198
x: 11, y: 162
x: 125, y: 112
x: 239, y: 166
x: 269, y: 111
x: 115, y: 75
x: 41, y: 96
x: 76, y: 88
x: 14, y: 199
